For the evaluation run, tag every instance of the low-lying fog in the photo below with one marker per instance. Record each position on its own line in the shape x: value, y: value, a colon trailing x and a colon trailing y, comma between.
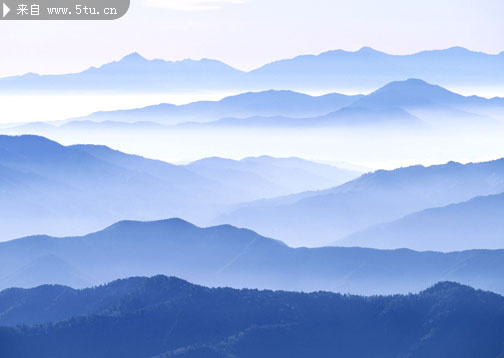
x: 441, y: 139
x: 369, y: 147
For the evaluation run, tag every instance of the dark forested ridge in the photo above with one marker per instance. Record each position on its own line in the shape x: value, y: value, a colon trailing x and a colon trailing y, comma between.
x: 167, y: 317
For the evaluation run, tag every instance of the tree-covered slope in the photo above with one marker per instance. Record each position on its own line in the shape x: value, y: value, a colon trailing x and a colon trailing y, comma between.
x: 168, y: 317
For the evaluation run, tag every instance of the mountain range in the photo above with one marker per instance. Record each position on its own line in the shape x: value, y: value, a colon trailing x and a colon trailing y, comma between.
x: 368, y: 68
x: 361, y: 70
x: 323, y: 217
x: 400, y: 104
x: 132, y: 73
x: 240, y: 258
x: 51, y: 189
x: 165, y: 317
x: 105, y: 254
x: 58, y: 190
x: 397, y: 102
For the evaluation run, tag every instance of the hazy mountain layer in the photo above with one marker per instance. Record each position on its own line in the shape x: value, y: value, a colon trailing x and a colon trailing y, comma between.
x: 475, y: 223
x: 348, y: 117
x: 267, y: 103
x: 325, y: 216
x: 399, y: 102
x: 227, y: 256
x: 58, y: 190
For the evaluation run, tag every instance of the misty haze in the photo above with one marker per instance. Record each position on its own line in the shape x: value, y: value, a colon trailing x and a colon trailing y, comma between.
x: 253, y: 178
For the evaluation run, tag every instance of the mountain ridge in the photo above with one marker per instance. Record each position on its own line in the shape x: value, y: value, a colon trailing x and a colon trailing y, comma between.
x: 228, y: 256
x: 453, y: 66
x: 137, y: 56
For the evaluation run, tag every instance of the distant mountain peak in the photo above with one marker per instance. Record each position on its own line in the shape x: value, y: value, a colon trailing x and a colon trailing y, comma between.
x: 367, y: 49
x: 129, y: 224
x: 268, y: 93
x: 412, y: 87
x: 459, y: 49
x: 31, y: 75
x: 409, y: 82
x: 261, y: 157
x: 417, y: 81
x: 134, y: 56
x: 335, y: 53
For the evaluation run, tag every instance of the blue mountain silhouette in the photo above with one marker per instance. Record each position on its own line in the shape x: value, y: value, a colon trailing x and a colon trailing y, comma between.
x: 228, y: 256
x: 361, y: 70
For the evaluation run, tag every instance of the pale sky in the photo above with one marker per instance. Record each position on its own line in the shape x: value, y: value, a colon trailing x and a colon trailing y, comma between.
x: 249, y: 33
